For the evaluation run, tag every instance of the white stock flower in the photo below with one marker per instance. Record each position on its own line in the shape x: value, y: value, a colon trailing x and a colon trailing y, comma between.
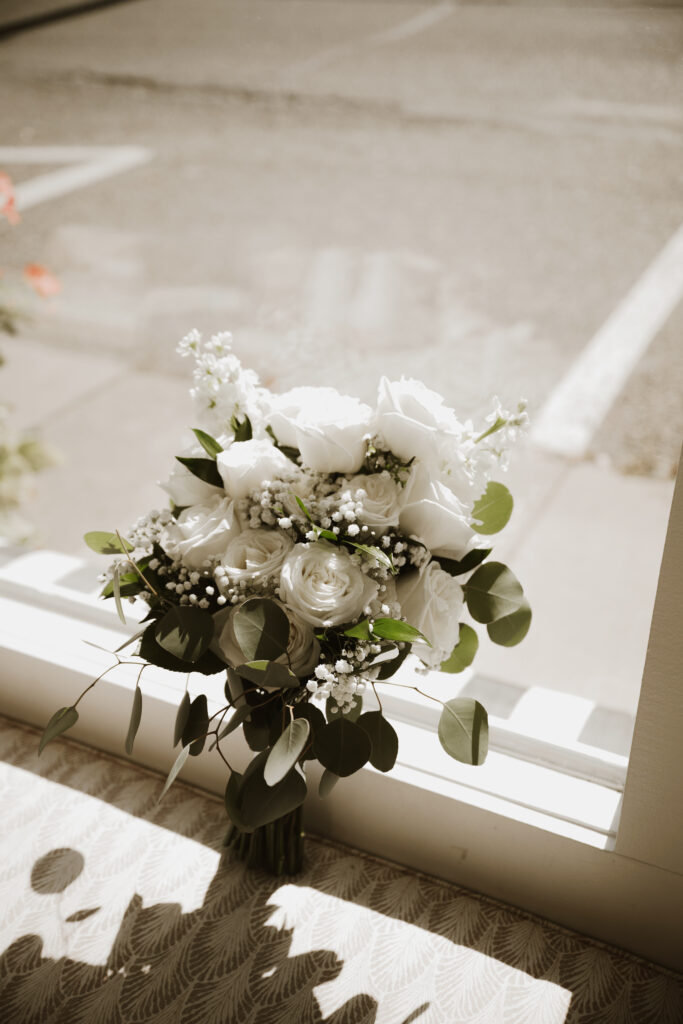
x: 201, y: 532
x: 245, y: 465
x: 432, y: 601
x: 303, y: 649
x: 381, y: 498
x: 434, y: 515
x: 328, y: 428
x: 256, y: 555
x: 324, y: 585
x: 413, y: 420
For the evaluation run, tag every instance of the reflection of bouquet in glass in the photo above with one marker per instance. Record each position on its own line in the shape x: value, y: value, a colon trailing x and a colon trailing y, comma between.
x: 312, y: 544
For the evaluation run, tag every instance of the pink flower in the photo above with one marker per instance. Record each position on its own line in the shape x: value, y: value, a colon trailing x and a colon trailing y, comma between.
x: 41, y: 280
x: 8, y: 203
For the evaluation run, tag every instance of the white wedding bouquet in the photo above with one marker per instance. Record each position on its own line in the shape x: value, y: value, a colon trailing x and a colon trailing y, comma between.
x: 312, y: 543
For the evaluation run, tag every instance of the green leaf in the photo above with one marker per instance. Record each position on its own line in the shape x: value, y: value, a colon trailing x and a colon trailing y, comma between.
x: 343, y: 747
x: 117, y: 594
x: 105, y: 543
x: 392, y: 665
x: 361, y: 631
x: 185, y: 632
x: 372, y: 552
x: 237, y: 718
x: 152, y: 652
x: 259, y: 804
x: 383, y: 739
x: 303, y: 507
x: 135, y: 716
x: 270, y: 675
x: 59, y: 723
x: 328, y: 780
x: 464, y: 730
x: 261, y: 630
x: 511, y: 629
x: 470, y: 561
x: 315, y: 719
x: 208, y: 443
x: 204, y: 469
x: 286, y: 751
x: 196, y: 727
x: 241, y: 428
x: 181, y: 718
x: 398, y: 631
x: 464, y: 651
x: 177, y: 765
x: 493, y: 592
x: 333, y: 711
x: 493, y: 509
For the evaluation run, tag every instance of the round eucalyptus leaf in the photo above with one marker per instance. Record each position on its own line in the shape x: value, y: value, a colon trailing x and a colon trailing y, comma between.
x: 333, y: 711
x: 464, y: 730
x: 463, y: 653
x: 261, y: 629
x: 511, y: 629
x: 493, y: 592
x: 259, y: 803
x: 383, y: 739
x: 342, y: 747
x: 315, y: 719
x: 493, y: 509
x: 287, y: 751
x: 185, y: 632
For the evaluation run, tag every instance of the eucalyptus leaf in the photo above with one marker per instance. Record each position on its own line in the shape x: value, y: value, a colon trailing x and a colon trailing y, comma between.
x: 208, y: 443
x: 287, y: 751
x: 343, y: 747
x: 152, y: 652
x: 237, y: 718
x: 390, y: 667
x: 181, y: 718
x: 493, y: 509
x: 511, y: 629
x: 464, y: 651
x: 177, y: 765
x: 196, y: 726
x: 464, y: 730
x: 270, y: 675
x: 135, y: 716
x: 315, y: 719
x: 203, y: 469
x: 493, y: 592
x: 105, y: 543
x: 185, y: 632
x: 398, y: 631
x: 117, y: 594
x: 59, y: 723
x: 383, y: 739
x: 259, y: 804
x: 328, y: 780
x: 261, y: 629
x: 458, y: 567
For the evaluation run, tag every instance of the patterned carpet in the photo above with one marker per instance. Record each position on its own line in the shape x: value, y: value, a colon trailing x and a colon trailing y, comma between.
x: 116, y: 910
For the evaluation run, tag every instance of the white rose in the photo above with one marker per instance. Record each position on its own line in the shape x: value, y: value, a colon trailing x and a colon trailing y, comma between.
x: 432, y: 601
x: 256, y: 555
x: 245, y: 465
x: 381, y: 498
x: 328, y: 428
x: 303, y: 650
x: 413, y: 420
x: 184, y: 488
x: 201, y: 532
x: 433, y: 514
x: 324, y: 585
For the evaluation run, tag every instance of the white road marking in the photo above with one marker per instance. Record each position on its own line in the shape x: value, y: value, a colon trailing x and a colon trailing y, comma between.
x: 404, y: 30
x: 86, y: 165
x: 577, y: 406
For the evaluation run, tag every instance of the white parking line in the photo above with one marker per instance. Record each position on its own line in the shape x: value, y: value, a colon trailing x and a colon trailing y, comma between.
x: 577, y: 406
x: 86, y: 165
x: 404, y: 30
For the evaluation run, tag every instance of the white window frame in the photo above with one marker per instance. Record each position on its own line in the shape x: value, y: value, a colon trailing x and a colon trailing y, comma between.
x: 535, y: 827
